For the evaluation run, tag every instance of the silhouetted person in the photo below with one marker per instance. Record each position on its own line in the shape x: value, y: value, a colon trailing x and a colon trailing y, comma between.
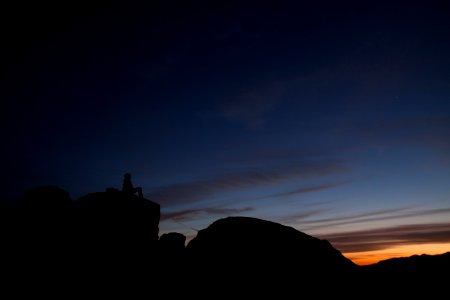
x: 128, y: 187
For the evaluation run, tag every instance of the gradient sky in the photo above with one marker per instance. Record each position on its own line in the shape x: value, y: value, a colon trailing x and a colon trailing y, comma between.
x: 332, y: 117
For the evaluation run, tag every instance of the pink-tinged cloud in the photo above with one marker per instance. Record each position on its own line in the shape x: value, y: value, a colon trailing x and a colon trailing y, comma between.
x: 387, y: 237
x: 380, y: 215
x: 191, y: 214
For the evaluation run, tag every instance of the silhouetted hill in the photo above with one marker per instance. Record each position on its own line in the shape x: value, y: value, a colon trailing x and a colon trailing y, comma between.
x: 413, y: 276
x: 254, y: 248
x: 416, y: 265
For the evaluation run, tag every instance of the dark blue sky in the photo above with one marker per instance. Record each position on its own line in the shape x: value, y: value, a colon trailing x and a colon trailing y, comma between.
x: 329, y: 117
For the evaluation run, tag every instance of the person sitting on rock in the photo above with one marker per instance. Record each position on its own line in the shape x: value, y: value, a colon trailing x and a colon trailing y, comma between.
x: 128, y: 187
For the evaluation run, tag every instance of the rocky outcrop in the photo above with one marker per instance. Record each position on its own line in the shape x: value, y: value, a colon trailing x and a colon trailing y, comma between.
x: 117, y: 233
x: 113, y: 236
x: 250, y: 247
x: 104, y: 233
x: 118, y: 216
x: 172, y: 244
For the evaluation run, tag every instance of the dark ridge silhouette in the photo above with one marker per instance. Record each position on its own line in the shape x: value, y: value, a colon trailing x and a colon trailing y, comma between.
x: 113, y: 237
x: 408, y: 276
x: 416, y: 265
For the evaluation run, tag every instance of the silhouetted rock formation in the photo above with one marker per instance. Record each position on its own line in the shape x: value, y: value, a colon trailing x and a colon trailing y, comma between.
x: 172, y: 245
x: 101, y: 234
x: 254, y: 248
x: 45, y: 198
x: 120, y: 214
x: 113, y: 236
x: 172, y: 259
x: 116, y: 231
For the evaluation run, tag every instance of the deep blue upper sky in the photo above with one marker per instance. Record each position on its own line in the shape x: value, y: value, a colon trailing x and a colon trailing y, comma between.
x: 306, y: 114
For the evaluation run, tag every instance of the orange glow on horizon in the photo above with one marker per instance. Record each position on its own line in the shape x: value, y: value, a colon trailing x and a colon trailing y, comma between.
x: 371, y: 257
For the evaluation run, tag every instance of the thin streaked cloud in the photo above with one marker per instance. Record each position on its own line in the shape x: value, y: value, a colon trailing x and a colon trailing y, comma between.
x: 304, y: 190
x: 192, y: 214
x: 201, y: 190
x: 381, y: 215
x: 387, y: 237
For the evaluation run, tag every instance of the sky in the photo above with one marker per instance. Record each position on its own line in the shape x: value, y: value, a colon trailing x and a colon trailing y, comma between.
x: 332, y: 117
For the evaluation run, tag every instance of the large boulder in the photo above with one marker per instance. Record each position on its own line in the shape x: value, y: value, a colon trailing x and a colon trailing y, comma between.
x: 117, y: 217
x: 116, y: 234
x: 172, y: 245
x: 254, y: 248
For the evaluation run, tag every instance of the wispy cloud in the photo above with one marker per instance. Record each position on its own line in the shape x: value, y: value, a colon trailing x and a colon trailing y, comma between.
x: 432, y: 131
x: 297, y: 192
x: 380, y: 215
x: 387, y: 237
x: 304, y: 190
x: 267, y: 154
x: 251, y: 106
x: 298, y: 216
x: 189, y: 214
x: 195, y: 191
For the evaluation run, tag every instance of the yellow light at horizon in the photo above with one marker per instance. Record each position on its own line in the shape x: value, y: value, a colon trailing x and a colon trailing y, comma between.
x: 371, y: 257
